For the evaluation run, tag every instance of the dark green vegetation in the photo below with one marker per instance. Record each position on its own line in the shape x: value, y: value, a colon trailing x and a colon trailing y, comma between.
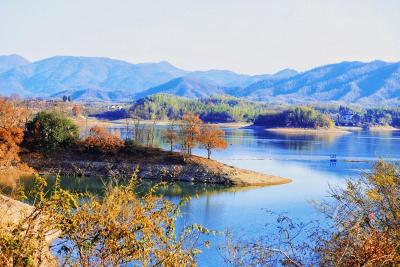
x: 299, y: 117
x: 230, y: 109
x: 213, y: 109
x: 362, y: 117
x: 50, y: 130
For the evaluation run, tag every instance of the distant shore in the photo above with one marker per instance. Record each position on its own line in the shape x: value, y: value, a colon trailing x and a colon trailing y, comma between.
x: 91, y: 121
x: 382, y: 128
x: 289, y: 130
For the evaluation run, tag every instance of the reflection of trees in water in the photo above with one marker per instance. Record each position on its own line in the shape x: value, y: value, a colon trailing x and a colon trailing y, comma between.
x: 295, y: 142
x: 96, y: 186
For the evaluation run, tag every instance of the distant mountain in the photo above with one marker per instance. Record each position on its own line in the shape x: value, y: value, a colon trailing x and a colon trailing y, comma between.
x: 61, y: 73
x: 11, y: 61
x: 228, y: 78
x: 94, y: 95
x: 184, y: 86
x: 104, y: 79
x: 375, y: 82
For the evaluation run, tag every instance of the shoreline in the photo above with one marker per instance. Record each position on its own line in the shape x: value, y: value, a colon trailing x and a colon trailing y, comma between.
x: 153, y: 164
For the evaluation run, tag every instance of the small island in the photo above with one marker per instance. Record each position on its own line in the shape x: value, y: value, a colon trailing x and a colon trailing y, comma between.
x: 298, y: 120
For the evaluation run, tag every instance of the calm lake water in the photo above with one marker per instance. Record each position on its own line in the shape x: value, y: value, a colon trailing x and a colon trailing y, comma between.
x: 303, y: 158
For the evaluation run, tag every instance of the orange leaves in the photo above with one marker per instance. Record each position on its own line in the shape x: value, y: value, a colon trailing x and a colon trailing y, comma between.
x: 212, y: 137
x: 360, y: 248
x: 101, y: 140
x: 76, y: 111
x: 11, y: 132
x: 190, y: 129
x: 193, y: 131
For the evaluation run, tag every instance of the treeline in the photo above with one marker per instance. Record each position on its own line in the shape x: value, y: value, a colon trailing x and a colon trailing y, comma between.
x: 168, y: 107
x: 299, y: 117
x: 362, y: 117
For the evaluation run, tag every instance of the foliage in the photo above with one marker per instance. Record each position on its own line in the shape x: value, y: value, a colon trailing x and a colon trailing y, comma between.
x: 213, y: 109
x: 76, y: 110
x: 363, y: 229
x: 11, y: 132
x: 298, y: 117
x: 189, y: 131
x: 366, y: 215
x: 117, y: 229
x: 212, y: 137
x: 51, y: 130
x: 170, y: 136
x: 100, y: 140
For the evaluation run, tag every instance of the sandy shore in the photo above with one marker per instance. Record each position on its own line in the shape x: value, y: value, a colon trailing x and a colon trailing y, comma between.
x: 382, y: 128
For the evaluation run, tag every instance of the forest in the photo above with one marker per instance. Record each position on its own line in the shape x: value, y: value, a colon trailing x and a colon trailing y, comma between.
x: 221, y: 109
x: 168, y: 107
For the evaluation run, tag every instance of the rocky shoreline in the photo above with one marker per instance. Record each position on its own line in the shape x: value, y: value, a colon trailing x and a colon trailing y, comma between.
x: 165, y: 166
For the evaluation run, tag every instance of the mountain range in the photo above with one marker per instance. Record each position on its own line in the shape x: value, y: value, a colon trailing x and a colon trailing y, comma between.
x: 104, y: 79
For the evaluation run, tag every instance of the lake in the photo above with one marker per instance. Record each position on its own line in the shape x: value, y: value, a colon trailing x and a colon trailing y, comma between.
x: 306, y: 159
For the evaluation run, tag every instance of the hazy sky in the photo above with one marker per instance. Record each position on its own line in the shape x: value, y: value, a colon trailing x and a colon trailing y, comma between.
x: 253, y: 36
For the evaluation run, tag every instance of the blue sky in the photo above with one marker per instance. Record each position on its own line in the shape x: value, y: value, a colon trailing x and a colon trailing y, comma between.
x: 253, y: 36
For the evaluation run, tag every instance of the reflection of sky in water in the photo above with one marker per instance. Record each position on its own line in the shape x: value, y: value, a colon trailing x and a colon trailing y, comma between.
x: 303, y: 158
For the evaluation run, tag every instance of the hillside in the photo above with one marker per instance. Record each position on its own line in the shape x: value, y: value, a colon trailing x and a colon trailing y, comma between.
x: 186, y: 87
x: 50, y: 76
x: 11, y: 61
x: 104, y: 79
x: 350, y: 82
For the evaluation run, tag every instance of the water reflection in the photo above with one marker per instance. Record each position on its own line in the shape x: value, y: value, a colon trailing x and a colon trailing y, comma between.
x: 303, y: 158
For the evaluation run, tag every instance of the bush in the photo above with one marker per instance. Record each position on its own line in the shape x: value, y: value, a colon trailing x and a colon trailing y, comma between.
x: 51, y: 130
x: 118, y: 229
x: 100, y: 140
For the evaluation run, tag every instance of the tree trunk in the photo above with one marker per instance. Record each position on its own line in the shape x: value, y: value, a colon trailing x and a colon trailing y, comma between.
x: 209, y: 153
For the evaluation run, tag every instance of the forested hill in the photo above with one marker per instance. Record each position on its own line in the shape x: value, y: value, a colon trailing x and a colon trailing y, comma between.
x: 104, y: 79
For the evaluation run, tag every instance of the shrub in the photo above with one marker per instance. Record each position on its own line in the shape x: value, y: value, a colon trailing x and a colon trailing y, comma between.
x: 118, y: 229
x: 51, y: 130
x: 100, y: 140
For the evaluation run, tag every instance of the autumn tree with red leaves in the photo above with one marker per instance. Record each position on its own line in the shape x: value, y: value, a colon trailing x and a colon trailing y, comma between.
x: 76, y: 111
x: 101, y: 140
x: 212, y: 137
x: 189, y: 131
x: 11, y: 132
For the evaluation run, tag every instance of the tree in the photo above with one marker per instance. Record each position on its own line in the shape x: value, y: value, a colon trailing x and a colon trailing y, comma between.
x: 76, y: 110
x: 189, y: 130
x: 101, y: 140
x: 50, y: 130
x: 170, y: 136
x: 212, y: 137
x: 12, y: 118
